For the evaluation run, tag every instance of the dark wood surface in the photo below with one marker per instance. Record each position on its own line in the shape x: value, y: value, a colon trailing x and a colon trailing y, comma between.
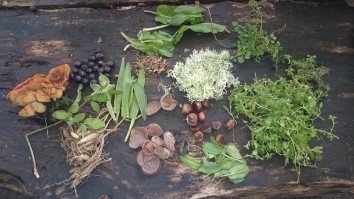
x: 33, y: 42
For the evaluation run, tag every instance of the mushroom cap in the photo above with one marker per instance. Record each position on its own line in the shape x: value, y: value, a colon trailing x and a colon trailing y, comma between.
x: 169, y: 140
x: 137, y: 137
x: 152, y: 165
x: 162, y: 152
x: 152, y: 107
x: 31, y: 109
x: 157, y: 141
x: 148, y: 147
x: 140, y: 158
x: 167, y: 102
x: 154, y: 129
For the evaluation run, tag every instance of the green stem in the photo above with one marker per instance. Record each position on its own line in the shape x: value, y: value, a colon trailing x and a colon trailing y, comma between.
x: 156, y: 27
x: 151, y: 12
x: 130, y: 128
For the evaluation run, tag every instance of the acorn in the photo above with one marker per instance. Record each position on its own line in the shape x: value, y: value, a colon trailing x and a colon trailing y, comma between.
x: 186, y: 109
x: 220, y: 138
x: 201, y: 117
x: 192, y: 119
x: 197, y: 107
x: 230, y: 124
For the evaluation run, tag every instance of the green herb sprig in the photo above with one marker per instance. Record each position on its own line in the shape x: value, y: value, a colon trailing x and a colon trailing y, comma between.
x: 73, y: 116
x: 253, y: 41
x: 280, y: 114
x: 220, y: 161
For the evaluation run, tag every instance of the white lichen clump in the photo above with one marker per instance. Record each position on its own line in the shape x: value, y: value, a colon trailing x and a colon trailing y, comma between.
x: 205, y: 75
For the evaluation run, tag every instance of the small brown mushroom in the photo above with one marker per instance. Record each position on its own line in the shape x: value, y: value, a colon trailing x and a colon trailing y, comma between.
x: 216, y: 125
x: 154, y: 129
x: 220, y: 138
x: 186, y: 109
x: 152, y: 165
x: 167, y: 102
x: 137, y: 137
x: 230, y: 124
x: 169, y: 140
x: 148, y: 147
x: 162, y: 152
x: 157, y: 141
x: 198, y: 136
x: 152, y: 107
x: 192, y: 119
x: 140, y: 158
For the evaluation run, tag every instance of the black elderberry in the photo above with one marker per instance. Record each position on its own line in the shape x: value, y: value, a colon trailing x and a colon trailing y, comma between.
x: 78, y: 78
x: 99, y: 56
x: 91, y: 64
x: 107, y: 69
x: 77, y: 64
x: 110, y: 64
x: 95, y: 68
x: 82, y: 73
x: 93, y: 81
x: 89, y: 70
x: 92, y: 58
x: 75, y: 70
x: 100, y: 70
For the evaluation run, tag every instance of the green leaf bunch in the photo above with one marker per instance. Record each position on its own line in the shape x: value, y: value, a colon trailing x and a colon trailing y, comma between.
x: 133, y: 98
x: 154, y: 42
x: 221, y: 161
x: 280, y: 115
x: 254, y: 42
x: 73, y: 116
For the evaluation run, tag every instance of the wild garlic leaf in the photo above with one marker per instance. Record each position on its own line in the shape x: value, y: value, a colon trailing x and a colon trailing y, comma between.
x: 209, y: 167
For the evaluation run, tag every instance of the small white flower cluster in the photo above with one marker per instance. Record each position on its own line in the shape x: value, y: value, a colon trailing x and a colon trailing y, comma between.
x: 204, y: 75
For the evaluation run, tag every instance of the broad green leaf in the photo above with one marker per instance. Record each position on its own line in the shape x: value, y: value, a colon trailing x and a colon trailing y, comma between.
x: 232, y: 151
x: 94, y: 123
x: 141, y: 98
x: 180, y: 19
x: 95, y: 106
x: 209, y: 167
x: 115, y: 92
x: 185, y: 9
x: 61, y: 115
x: 164, y: 13
x: 190, y: 161
x: 79, y: 117
x: 210, y: 148
x: 238, y: 171
x: 100, y: 97
x: 208, y: 28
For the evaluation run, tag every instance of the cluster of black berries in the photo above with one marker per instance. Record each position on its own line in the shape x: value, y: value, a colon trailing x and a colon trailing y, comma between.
x: 87, y: 70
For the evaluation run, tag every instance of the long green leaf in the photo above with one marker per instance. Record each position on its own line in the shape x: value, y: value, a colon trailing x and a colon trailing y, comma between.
x: 141, y: 98
x: 119, y: 86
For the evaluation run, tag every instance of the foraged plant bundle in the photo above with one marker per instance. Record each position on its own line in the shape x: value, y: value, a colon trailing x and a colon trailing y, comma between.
x: 204, y: 75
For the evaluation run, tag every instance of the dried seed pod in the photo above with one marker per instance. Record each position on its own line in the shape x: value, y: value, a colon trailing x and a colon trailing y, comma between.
x: 201, y: 116
x: 230, y: 124
x: 186, y: 109
x: 216, y: 125
x: 192, y: 119
x: 220, y: 138
x: 197, y: 107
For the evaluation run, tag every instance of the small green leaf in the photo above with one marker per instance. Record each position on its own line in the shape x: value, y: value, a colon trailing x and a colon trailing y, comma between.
x: 78, y: 117
x: 95, y: 87
x: 61, y: 115
x: 74, y: 108
x: 238, y: 172
x: 103, y: 79
x: 83, y: 127
x: 95, y: 106
x: 94, y: 123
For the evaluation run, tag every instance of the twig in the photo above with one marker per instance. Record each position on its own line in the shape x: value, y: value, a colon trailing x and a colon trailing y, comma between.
x: 30, y: 147
x: 211, y: 20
